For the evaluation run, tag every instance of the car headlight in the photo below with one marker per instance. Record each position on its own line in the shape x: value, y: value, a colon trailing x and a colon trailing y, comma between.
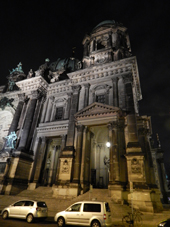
x: 161, y: 224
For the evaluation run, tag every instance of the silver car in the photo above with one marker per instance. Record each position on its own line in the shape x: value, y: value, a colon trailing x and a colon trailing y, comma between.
x: 26, y: 209
x: 85, y: 213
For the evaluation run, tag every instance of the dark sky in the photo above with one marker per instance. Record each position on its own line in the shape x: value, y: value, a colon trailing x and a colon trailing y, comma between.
x: 31, y: 31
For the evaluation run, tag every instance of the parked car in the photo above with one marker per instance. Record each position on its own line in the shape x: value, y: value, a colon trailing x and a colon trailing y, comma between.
x: 26, y: 209
x: 165, y: 223
x: 85, y: 213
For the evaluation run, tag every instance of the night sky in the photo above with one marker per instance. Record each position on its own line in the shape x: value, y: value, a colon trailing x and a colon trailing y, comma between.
x: 31, y: 31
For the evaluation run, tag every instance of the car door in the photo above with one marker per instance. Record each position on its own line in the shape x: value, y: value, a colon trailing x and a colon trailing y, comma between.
x: 90, y: 211
x: 72, y: 214
x: 27, y: 208
x: 15, y: 209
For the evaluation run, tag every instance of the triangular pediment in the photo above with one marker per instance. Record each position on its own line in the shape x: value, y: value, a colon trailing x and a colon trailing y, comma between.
x: 97, y: 109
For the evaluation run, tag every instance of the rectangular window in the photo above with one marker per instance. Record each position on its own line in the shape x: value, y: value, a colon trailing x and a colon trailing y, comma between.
x: 100, y: 98
x: 90, y: 207
x: 59, y: 113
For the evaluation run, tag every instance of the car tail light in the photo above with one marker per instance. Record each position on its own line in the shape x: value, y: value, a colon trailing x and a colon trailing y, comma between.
x: 38, y: 209
x: 104, y: 216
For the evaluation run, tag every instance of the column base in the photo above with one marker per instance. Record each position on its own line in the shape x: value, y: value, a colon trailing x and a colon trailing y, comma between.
x: 16, y: 179
x: 146, y: 200
x: 118, y: 193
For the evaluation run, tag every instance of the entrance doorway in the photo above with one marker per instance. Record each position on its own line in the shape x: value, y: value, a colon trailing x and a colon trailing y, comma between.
x: 99, y: 159
x: 50, y: 162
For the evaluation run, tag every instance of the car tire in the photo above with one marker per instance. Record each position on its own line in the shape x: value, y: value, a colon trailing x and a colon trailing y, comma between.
x: 5, y: 214
x: 60, y: 222
x: 95, y: 223
x: 29, y: 218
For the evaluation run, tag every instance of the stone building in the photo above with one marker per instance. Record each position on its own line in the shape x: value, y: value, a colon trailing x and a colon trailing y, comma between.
x: 72, y: 124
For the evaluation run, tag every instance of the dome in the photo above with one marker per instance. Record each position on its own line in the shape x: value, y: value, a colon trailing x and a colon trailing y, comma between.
x: 103, y: 23
x: 67, y: 64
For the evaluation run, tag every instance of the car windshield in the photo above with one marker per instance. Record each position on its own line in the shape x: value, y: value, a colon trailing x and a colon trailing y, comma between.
x: 41, y: 204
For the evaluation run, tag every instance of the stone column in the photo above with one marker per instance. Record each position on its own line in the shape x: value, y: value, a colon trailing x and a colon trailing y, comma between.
x: 86, y: 99
x: 115, y: 153
x: 132, y: 140
x: 68, y: 106
x: 83, y: 155
x: 73, y: 110
x: 28, y: 120
x: 17, y: 115
x: 111, y: 170
x: 115, y: 92
x: 44, y: 111
x: 84, y: 96
x: 34, y: 123
x: 40, y: 157
x: 52, y: 164
x: 32, y: 171
x: 49, y: 109
x: 77, y: 160
x: 63, y: 141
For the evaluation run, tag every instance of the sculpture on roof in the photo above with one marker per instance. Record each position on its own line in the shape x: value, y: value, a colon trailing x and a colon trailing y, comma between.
x: 11, y: 84
x: 30, y: 74
x: 17, y: 69
x: 42, y: 68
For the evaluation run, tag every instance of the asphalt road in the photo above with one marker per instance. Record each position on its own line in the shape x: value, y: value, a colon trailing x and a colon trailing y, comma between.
x: 11, y: 222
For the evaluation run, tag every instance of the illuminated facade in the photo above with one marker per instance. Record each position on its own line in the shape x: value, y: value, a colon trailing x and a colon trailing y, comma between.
x: 55, y: 123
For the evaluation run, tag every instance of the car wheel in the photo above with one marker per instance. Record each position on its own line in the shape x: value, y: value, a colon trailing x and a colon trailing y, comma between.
x: 30, y: 218
x: 5, y: 214
x: 60, y: 221
x: 95, y: 223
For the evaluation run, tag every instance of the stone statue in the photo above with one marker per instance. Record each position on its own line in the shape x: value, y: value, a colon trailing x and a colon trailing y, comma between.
x: 10, y: 143
x: 30, y: 74
x: 11, y: 84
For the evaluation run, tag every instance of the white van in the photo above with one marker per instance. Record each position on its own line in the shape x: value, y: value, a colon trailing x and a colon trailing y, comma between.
x: 85, y: 213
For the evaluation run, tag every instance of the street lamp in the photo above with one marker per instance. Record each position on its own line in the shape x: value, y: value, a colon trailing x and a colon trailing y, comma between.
x: 107, y: 144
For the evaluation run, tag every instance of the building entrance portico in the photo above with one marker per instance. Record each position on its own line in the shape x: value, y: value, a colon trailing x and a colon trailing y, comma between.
x: 100, y: 123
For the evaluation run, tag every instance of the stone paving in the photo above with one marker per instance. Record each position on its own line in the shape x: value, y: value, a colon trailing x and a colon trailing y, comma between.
x: 58, y: 204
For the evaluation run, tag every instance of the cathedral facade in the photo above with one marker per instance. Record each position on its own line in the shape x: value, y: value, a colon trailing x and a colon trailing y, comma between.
x: 73, y: 125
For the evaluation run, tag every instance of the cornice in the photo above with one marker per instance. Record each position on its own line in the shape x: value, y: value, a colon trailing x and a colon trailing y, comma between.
x: 32, y: 84
x: 103, y: 70
x: 13, y: 94
x: 60, y: 87
x: 110, y: 70
x: 51, y: 127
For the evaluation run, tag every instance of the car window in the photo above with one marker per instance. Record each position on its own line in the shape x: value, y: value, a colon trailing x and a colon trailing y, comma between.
x: 90, y: 207
x: 41, y: 204
x: 107, y: 207
x: 20, y: 203
x: 29, y: 203
x: 75, y: 207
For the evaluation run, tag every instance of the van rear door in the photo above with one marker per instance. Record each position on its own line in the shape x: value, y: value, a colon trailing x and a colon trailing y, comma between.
x: 108, y: 219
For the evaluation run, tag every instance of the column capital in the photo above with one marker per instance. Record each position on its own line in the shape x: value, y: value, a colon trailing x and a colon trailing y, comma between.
x: 127, y: 78
x: 21, y: 97
x: 114, y: 79
x: 87, y: 85
x: 112, y: 125
x: 33, y: 95
x: 79, y: 127
x: 76, y: 88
